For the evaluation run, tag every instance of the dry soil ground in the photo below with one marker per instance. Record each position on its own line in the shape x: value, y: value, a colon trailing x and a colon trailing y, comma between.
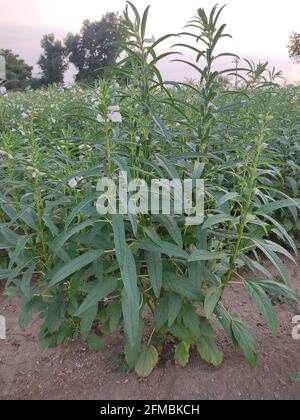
x: 80, y: 373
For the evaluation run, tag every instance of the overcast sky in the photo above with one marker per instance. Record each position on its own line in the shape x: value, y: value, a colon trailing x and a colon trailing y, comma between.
x: 260, y: 28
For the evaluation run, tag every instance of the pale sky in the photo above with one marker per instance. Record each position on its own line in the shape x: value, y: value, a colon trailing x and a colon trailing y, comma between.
x: 260, y: 28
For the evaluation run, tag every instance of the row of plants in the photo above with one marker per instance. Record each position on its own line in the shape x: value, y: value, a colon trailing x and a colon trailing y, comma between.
x: 151, y: 276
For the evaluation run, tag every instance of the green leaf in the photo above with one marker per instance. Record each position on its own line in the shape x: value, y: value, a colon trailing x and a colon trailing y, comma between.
x: 191, y: 319
x: 98, y: 292
x: 163, y: 129
x: 278, y: 205
x: 125, y: 258
x: 10, y: 236
x: 169, y: 223
x: 183, y: 286
x: 26, y: 280
x: 161, y: 313
x: 88, y: 317
x: 209, y: 351
x: 74, y: 266
x: 136, y: 13
x: 114, y: 311
x: 215, y: 220
x: 155, y: 270
x: 122, y: 164
x: 263, y: 304
x: 277, y: 289
x: 153, y: 62
x: 174, y: 307
x: 55, y: 313
x: 255, y: 266
x: 147, y: 361
x: 25, y: 315
x: 283, y: 232
x: 29, y: 217
x: 206, y: 329
x: 130, y: 296
x: 197, y: 274
x: 225, y: 320
x: 182, y: 333
x: 273, y: 257
x: 182, y: 354
x: 20, y: 246
x: 212, y: 298
x: 203, y: 255
x: 132, y: 352
x: 245, y: 339
x: 60, y: 240
x: 95, y: 342
x: 144, y: 22
x: 77, y: 210
x: 165, y: 248
x: 131, y: 313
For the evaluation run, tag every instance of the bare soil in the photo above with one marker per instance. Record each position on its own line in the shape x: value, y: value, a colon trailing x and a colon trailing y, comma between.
x: 28, y: 373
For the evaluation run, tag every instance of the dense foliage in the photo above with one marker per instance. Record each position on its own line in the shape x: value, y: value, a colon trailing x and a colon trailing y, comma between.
x: 18, y: 73
x: 95, y: 50
x: 160, y: 280
x: 53, y: 61
x: 294, y: 47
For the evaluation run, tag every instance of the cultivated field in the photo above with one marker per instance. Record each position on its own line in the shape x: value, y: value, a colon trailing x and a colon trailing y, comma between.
x: 151, y: 290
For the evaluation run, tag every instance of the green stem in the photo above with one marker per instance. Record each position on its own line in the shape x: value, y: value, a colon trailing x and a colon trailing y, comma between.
x: 244, y: 216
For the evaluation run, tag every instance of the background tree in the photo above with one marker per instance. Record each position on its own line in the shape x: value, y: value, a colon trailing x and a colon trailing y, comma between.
x: 96, y: 48
x: 294, y: 47
x: 53, y: 61
x: 18, y: 73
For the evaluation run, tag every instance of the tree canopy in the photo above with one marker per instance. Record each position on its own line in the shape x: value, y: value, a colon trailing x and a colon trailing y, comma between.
x: 294, y: 47
x: 18, y: 73
x: 96, y: 48
x: 53, y: 61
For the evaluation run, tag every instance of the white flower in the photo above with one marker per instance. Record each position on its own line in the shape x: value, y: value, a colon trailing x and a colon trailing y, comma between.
x: 2, y: 90
x: 115, y: 117
x: 85, y: 147
x: 150, y: 40
x: 73, y: 183
x: 37, y: 173
x: 100, y: 119
x: 113, y: 108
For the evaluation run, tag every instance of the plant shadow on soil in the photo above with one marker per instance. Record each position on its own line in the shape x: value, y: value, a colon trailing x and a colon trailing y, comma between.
x: 28, y: 373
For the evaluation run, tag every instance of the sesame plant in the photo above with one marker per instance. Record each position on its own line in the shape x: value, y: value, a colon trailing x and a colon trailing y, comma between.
x: 151, y: 278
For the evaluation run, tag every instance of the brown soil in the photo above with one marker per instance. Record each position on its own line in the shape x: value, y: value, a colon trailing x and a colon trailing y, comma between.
x: 80, y: 373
